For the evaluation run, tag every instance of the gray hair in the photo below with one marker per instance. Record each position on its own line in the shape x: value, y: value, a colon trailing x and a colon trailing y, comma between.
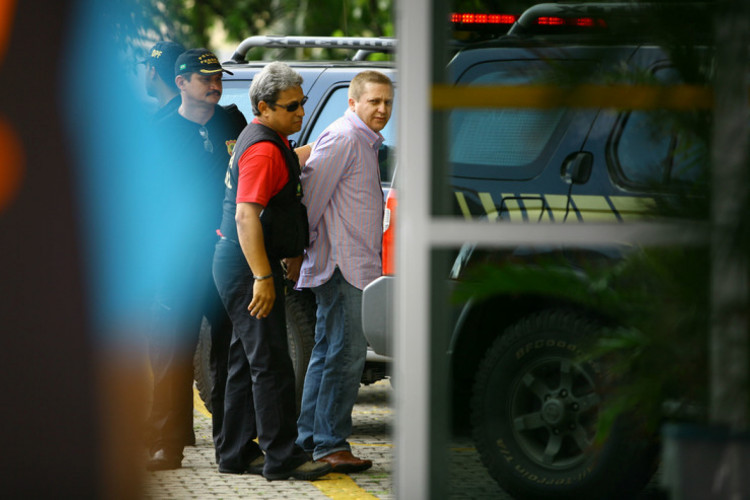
x: 275, y: 78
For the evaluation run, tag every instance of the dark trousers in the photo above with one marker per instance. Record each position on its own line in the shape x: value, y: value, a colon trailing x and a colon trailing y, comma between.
x: 221, y: 336
x: 179, y: 310
x: 259, y: 400
x: 171, y: 349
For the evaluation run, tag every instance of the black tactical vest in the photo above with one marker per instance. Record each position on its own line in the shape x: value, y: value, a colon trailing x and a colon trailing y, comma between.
x: 284, y: 219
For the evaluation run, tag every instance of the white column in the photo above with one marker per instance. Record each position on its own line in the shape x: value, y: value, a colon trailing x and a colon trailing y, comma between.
x: 412, y: 342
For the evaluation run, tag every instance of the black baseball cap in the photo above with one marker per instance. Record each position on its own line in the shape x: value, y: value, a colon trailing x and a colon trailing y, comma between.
x: 162, y: 57
x: 201, y: 61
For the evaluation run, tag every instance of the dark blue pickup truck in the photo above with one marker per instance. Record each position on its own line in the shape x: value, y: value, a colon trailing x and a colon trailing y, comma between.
x: 515, y: 357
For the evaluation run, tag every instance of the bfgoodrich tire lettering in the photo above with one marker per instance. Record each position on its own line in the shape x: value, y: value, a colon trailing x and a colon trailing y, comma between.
x: 534, y: 412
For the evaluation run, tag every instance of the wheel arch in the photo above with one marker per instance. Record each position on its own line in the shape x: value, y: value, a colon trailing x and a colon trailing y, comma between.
x: 481, y: 322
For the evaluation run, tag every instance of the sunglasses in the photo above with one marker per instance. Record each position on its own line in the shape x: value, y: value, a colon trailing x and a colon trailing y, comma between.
x: 207, y: 144
x: 292, y: 106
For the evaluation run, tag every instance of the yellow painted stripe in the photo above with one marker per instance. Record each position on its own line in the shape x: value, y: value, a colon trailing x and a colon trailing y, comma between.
x: 594, y: 208
x: 557, y: 203
x: 535, y: 207
x: 489, y: 206
x: 375, y: 445
x: 333, y: 485
x: 198, y: 403
x: 631, y: 207
x: 678, y: 97
x: 514, y: 209
x: 341, y: 486
x: 461, y: 199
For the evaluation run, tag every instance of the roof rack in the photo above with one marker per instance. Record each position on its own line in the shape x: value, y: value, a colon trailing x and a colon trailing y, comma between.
x: 363, y: 45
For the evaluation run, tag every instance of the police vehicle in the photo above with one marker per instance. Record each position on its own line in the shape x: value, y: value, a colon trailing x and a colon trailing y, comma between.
x: 515, y: 358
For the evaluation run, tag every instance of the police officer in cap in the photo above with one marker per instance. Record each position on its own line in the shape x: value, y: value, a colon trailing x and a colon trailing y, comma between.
x: 197, y: 142
x: 159, y: 76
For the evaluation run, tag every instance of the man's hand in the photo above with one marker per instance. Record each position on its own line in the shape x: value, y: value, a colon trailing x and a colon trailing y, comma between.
x: 264, y: 295
x: 303, y: 153
x: 293, y: 265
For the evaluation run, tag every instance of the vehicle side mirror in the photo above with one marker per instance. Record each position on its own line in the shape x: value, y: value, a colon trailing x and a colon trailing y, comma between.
x: 577, y: 168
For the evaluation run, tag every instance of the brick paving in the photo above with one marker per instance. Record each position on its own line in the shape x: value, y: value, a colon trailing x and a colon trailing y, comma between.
x: 199, y: 478
x: 371, y: 438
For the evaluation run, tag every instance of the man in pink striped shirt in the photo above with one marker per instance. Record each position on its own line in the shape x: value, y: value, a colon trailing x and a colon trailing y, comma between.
x: 341, y: 185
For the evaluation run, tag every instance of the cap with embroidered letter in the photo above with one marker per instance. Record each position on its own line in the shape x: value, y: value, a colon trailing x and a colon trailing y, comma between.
x: 162, y: 57
x: 201, y: 61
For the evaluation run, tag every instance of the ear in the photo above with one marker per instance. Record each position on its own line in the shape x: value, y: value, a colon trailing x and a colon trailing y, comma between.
x: 351, y: 103
x: 180, y: 81
x: 263, y: 107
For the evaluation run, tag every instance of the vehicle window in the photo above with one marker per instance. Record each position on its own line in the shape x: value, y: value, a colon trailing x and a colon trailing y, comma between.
x: 655, y: 148
x: 504, y: 138
x: 334, y: 107
x: 235, y: 92
x: 643, y: 150
x: 689, y: 156
x: 501, y: 140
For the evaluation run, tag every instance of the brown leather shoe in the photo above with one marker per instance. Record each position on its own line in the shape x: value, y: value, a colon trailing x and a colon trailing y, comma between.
x: 344, y: 461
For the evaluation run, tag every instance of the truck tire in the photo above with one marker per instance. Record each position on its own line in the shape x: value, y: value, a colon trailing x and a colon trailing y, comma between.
x: 534, y: 412
x: 300, y: 332
x: 204, y: 382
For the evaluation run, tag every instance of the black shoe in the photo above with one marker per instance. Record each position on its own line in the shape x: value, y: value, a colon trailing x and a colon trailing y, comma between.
x: 163, y: 460
x: 307, y: 471
x: 255, y: 467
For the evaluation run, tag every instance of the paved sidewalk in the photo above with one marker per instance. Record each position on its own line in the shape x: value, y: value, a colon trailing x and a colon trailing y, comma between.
x: 371, y: 438
x: 199, y: 478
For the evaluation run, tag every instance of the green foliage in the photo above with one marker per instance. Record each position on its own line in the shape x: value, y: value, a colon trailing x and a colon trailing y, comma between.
x: 191, y: 22
x: 660, y: 354
x: 655, y: 302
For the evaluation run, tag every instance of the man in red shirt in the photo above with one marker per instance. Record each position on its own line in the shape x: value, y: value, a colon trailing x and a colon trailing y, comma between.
x: 264, y: 222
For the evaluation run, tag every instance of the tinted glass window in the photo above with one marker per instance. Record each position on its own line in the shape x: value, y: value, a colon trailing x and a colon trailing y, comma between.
x: 236, y: 93
x: 688, y: 161
x: 502, y: 137
x: 335, y: 106
x: 643, y: 149
x: 658, y: 148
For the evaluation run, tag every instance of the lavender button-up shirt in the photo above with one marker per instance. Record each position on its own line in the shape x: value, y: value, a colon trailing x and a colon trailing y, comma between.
x: 341, y: 184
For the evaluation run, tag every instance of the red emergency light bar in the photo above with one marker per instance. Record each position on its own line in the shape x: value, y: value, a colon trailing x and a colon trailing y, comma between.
x: 468, y: 18
x: 582, y: 22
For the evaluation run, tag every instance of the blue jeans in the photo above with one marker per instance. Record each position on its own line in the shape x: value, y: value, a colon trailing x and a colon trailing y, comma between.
x: 335, y: 369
